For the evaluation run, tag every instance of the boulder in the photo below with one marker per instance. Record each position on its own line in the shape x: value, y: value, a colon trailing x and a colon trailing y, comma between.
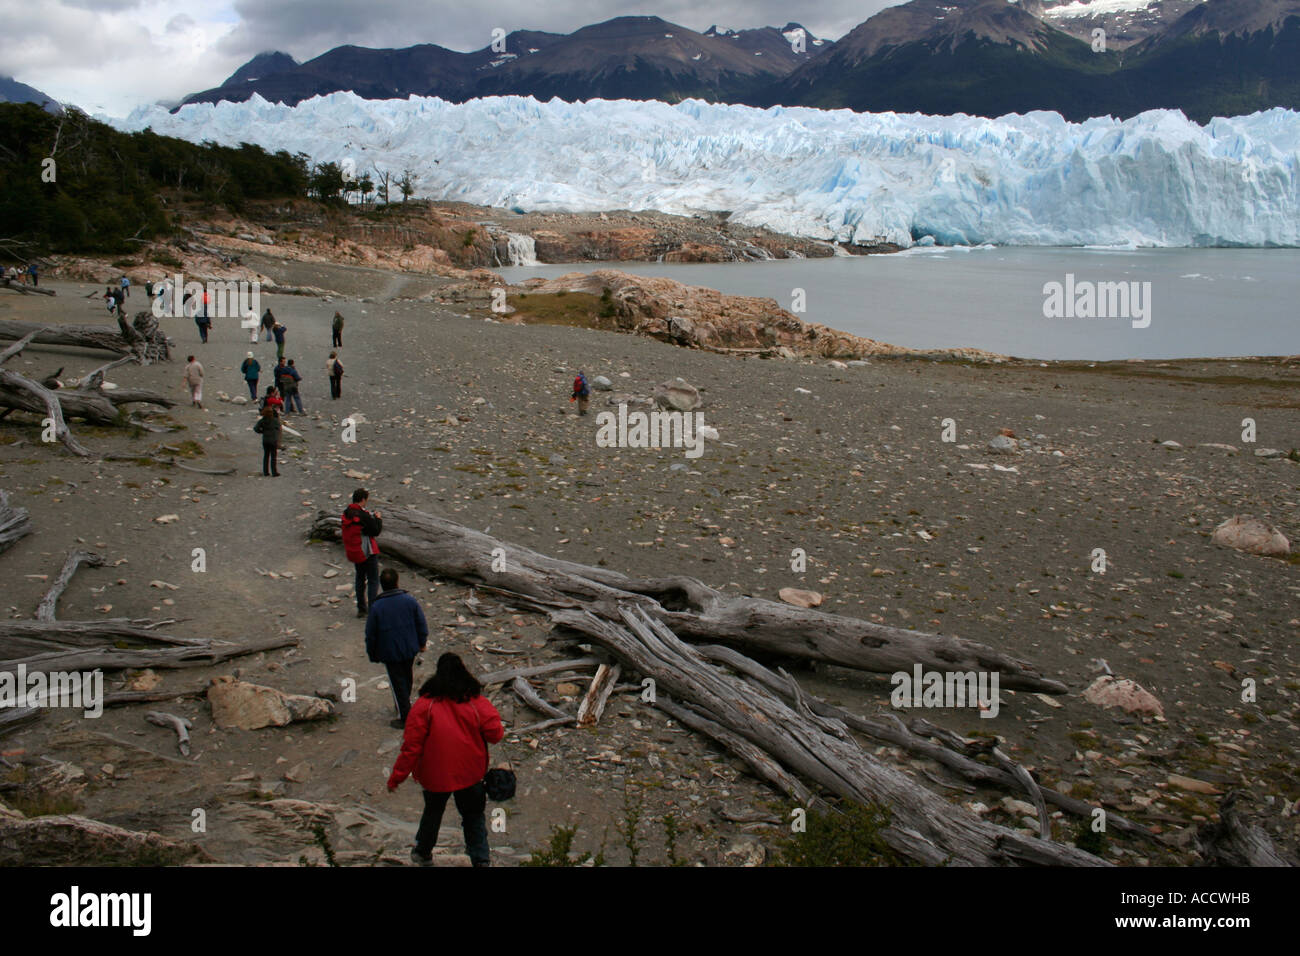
x: 238, y: 704
x: 745, y: 853
x: 677, y: 396
x: 1252, y: 535
x: 1003, y: 445
x: 601, y: 384
x: 1109, y: 691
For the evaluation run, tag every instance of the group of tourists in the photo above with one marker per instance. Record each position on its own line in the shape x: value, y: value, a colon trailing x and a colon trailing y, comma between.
x: 23, y: 275
x: 446, y: 733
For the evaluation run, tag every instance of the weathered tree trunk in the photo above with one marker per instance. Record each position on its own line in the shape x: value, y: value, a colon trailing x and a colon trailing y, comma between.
x: 694, y: 611
x: 15, y: 523
x: 1234, y: 842
x: 923, y: 827
x: 24, y: 289
x: 79, y: 841
x: 115, y: 658
x: 142, y: 338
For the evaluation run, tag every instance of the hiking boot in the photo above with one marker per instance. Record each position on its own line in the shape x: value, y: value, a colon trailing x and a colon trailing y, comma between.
x: 362, y: 612
x: 397, y: 723
x: 421, y: 860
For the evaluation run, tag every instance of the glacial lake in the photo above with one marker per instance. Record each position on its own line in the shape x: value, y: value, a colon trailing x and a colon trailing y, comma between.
x: 1187, y: 303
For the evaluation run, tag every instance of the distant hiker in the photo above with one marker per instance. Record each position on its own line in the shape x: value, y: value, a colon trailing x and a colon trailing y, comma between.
x: 203, y: 322
x: 126, y: 287
x: 110, y: 300
x: 268, y: 323
x: 252, y: 372
x: 295, y: 397
x: 360, y: 528
x: 194, y: 379
x: 395, y: 633
x: 445, y: 747
x: 269, y: 427
x: 31, y: 271
x: 148, y: 289
x: 334, y: 368
x: 272, y: 399
x: 278, y: 331
x: 337, y: 327
x: 581, y: 393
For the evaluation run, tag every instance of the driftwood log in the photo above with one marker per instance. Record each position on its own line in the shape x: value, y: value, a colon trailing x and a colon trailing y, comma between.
x: 693, y: 610
x: 15, y: 523
x: 1235, y: 842
x: 181, y: 725
x: 785, y: 742
x: 141, y: 338
x: 22, y: 287
x: 33, y: 396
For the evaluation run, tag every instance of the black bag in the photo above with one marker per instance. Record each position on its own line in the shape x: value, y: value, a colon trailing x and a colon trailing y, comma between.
x: 500, y: 784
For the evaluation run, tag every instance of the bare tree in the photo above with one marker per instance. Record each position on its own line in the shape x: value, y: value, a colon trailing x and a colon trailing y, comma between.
x: 383, y: 180
x: 407, y: 184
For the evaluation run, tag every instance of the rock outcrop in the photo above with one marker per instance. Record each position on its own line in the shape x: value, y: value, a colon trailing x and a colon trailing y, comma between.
x: 237, y: 704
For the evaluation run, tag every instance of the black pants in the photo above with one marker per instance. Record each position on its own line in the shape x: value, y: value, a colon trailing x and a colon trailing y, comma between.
x: 270, y: 459
x: 336, y: 386
x: 471, y: 802
x: 401, y: 676
x: 367, y: 582
x: 338, y: 337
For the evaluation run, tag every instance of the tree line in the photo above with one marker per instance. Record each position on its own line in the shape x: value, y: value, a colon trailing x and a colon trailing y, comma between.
x: 70, y: 184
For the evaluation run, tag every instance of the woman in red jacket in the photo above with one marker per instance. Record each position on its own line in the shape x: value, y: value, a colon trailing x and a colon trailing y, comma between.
x: 445, y: 747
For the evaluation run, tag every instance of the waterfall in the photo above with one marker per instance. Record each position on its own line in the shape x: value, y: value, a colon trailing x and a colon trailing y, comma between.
x: 521, y: 249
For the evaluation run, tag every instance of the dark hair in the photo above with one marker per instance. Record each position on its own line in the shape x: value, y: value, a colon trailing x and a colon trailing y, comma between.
x: 359, y: 496
x: 270, y: 389
x: 388, y: 579
x: 452, y: 681
x: 189, y: 358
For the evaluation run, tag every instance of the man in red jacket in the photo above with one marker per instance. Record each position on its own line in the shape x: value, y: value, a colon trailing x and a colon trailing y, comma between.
x: 445, y: 747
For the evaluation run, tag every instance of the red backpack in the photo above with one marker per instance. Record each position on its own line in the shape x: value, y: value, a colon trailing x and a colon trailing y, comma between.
x: 356, y: 545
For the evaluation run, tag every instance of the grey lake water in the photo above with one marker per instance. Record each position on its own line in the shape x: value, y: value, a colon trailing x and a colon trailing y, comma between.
x: 1187, y: 303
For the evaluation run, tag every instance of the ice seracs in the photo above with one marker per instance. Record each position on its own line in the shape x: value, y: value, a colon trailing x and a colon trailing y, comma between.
x: 1157, y: 179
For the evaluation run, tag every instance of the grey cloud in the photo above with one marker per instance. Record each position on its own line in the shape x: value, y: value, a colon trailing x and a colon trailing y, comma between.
x: 307, y: 28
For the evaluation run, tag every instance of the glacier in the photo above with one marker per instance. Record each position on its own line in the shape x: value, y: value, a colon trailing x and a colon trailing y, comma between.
x: 1155, y: 180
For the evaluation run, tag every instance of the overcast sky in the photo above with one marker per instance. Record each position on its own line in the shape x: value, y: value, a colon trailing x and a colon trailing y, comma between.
x: 113, y: 55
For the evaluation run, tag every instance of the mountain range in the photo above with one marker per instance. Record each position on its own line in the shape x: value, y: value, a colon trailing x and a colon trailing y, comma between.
x: 980, y: 57
x: 11, y: 91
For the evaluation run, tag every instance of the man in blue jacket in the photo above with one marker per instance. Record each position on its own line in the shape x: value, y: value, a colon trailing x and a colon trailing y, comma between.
x: 395, y: 633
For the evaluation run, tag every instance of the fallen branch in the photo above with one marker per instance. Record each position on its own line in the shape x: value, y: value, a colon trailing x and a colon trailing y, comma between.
x: 15, y: 523
x: 525, y: 692
x: 536, y: 670
x: 118, y: 698
x: 181, y: 725
x: 45, y: 610
x: 16, y: 718
x: 1235, y: 842
x: 113, y: 658
x: 602, y: 685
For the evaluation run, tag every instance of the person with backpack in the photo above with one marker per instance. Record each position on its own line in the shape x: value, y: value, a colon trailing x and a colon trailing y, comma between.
x: 278, y: 331
x: 337, y: 328
x: 360, y: 528
x: 335, y: 369
x: 252, y: 372
x: 268, y: 323
x: 286, y: 379
x: 202, y: 321
x: 270, y: 428
x: 395, y: 633
x: 581, y: 393
x: 445, y: 748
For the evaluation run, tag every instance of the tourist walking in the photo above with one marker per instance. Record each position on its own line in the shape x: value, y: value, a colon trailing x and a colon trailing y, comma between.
x: 337, y: 328
x: 581, y: 393
x: 268, y: 323
x: 395, y: 633
x: 252, y: 372
x: 126, y: 287
x: 360, y: 528
x: 286, y: 379
x: 194, y: 380
x: 335, y: 369
x: 31, y: 271
x: 445, y: 748
x: 278, y: 331
x: 270, y: 428
x: 295, y: 396
x: 203, y: 322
